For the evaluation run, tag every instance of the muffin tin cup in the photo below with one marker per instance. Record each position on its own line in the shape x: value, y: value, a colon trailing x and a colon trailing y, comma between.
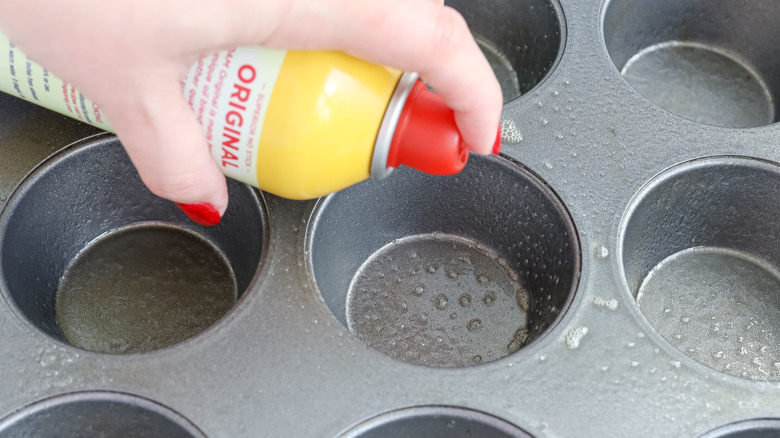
x: 710, y: 62
x: 700, y: 254
x: 446, y: 271
x: 435, y: 422
x: 522, y: 41
x: 95, y: 415
x: 91, y: 258
x: 656, y: 187
x: 759, y: 428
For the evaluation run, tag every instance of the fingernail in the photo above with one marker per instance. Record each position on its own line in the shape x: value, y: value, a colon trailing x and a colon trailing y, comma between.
x: 497, y: 144
x: 202, y: 213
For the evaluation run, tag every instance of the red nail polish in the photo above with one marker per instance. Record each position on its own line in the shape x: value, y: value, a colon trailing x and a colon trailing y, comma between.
x: 497, y: 143
x: 202, y: 213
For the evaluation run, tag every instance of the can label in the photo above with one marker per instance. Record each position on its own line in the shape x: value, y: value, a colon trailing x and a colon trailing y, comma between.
x: 228, y: 92
x: 25, y: 79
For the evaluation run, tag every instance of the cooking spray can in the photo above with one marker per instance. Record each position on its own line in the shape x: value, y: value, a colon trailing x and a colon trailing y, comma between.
x: 298, y: 124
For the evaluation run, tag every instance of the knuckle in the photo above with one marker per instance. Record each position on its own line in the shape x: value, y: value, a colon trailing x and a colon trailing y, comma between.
x: 451, y: 32
x: 181, y: 187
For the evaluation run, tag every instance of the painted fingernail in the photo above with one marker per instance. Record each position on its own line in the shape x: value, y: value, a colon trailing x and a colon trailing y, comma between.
x: 497, y: 143
x: 202, y: 213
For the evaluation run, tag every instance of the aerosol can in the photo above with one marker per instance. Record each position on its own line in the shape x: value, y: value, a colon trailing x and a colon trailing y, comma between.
x: 298, y: 124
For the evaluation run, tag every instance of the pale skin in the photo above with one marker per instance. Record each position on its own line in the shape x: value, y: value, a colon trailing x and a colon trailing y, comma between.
x: 130, y: 55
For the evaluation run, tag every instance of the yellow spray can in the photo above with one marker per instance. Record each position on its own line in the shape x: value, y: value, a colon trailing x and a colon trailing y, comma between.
x: 298, y: 124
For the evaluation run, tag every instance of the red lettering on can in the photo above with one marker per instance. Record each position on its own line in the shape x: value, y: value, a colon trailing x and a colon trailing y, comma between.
x: 247, y: 73
x: 240, y: 92
x: 235, y: 118
x: 97, y: 113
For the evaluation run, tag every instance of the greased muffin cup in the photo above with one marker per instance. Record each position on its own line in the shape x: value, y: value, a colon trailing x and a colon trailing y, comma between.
x: 93, y: 259
x: 446, y: 271
x: 612, y: 273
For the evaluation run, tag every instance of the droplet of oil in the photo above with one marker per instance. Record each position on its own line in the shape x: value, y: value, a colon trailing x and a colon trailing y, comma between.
x: 523, y: 299
x: 574, y: 336
x: 440, y: 302
x: 474, y: 325
x: 600, y: 252
x: 509, y: 132
x: 521, y: 335
x: 489, y: 299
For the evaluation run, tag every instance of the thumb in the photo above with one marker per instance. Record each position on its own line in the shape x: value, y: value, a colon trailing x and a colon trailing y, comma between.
x: 167, y: 146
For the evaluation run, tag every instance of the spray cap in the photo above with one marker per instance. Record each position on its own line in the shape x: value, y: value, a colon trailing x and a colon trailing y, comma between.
x: 426, y: 137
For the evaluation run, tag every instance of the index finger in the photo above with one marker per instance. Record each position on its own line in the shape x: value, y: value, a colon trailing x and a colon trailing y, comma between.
x: 412, y: 35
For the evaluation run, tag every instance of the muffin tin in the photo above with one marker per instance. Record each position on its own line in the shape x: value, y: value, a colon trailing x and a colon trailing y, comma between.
x: 614, y: 272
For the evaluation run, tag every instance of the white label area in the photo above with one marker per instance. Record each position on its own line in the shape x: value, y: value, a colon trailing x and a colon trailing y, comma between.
x: 27, y: 80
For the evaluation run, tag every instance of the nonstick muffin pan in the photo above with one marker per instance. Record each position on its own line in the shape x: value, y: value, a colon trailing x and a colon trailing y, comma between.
x: 613, y: 273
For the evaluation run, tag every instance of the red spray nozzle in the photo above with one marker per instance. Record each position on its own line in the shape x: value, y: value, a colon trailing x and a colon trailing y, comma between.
x: 426, y: 137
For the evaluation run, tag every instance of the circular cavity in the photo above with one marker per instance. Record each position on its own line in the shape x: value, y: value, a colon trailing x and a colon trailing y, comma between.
x: 760, y: 428
x: 522, y: 41
x: 436, y: 422
x: 97, y: 415
x: 711, y: 62
x: 700, y: 250
x: 459, y: 285
x: 446, y: 271
x: 138, y: 277
x: 90, y: 257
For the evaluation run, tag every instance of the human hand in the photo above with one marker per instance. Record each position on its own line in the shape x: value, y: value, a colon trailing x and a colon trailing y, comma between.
x: 129, y: 57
